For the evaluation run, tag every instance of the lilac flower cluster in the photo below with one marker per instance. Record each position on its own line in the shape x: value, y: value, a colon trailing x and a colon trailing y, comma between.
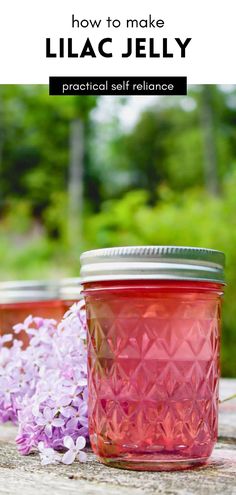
x: 43, y: 388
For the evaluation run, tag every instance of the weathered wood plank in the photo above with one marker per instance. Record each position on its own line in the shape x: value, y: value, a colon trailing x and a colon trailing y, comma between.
x: 227, y: 410
x: 25, y: 476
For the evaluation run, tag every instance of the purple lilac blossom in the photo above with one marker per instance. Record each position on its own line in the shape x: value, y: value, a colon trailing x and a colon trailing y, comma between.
x: 43, y: 388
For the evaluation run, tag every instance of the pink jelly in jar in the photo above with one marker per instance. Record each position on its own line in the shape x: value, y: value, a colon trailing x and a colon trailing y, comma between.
x: 154, y: 317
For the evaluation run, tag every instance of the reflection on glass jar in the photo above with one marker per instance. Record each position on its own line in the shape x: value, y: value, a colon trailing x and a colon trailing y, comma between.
x: 153, y: 354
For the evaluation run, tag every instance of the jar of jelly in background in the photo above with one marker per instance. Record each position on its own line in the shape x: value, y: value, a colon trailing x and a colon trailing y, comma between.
x: 154, y: 317
x: 69, y: 292
x: 20, y: 299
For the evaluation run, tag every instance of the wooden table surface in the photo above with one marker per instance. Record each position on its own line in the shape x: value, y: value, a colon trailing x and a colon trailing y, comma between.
x: 25, y: 476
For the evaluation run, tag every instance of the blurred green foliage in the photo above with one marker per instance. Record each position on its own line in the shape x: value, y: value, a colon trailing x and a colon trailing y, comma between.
x: 169, y: 179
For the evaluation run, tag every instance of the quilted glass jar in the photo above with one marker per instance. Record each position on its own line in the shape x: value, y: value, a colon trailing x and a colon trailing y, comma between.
x: 153, y: 318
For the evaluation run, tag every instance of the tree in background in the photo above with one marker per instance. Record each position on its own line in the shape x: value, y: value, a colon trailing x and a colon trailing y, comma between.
x: 209, y: 123
x: 182, y: 142
x: 42, y: 149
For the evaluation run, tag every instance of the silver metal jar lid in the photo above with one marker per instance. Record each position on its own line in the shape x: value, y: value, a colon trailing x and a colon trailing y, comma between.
x: 153, y: 263
x: 70, y: 289
x: 27, y: 291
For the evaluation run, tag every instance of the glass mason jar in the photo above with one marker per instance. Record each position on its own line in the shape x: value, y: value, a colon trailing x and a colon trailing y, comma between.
x: 153, y: 317
x: 20, y: 299
x: 69, y: 292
